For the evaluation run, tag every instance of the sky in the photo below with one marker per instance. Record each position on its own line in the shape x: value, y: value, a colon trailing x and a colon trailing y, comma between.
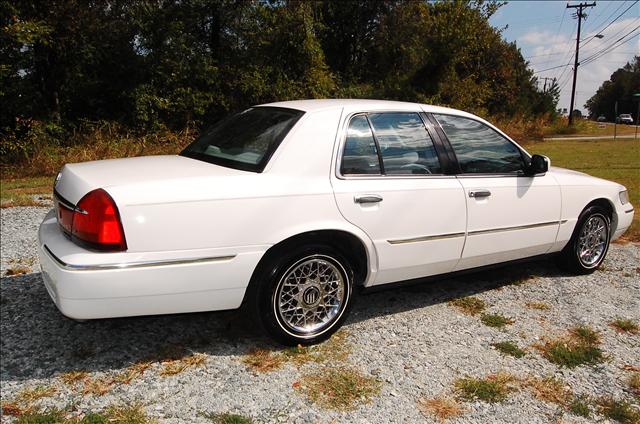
x: 545, y: 31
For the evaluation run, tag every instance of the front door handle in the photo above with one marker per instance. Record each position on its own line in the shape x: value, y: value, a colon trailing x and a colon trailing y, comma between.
x: 368, y: 198
x: 479, y: 193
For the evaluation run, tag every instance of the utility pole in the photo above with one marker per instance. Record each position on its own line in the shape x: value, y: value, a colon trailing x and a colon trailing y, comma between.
x: 580, y: 15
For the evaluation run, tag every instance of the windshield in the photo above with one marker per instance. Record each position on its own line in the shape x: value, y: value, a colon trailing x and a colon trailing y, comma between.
x: 246, y: 140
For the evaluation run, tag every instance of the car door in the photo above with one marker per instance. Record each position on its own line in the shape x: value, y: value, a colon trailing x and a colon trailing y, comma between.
x: 510, y: 215
x: 391, y: 182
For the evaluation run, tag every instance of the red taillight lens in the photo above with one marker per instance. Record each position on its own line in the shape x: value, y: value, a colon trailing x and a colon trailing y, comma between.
x: 96, y: 221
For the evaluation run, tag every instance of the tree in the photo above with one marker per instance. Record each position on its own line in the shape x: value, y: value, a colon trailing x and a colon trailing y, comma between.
x: 620, y: 87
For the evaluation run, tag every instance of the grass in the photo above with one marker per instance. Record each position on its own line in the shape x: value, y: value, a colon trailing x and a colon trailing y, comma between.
x: 336, y: 349
x: 634, y: 383
x: 586, y: 128
x: 176, y: 366
x: 540, y: 306
x: 618, y: 410
x: 616, y: 161
x: 33, y: 394
x: 73, y: 378
x: 496, y: 320
x: 622, y: 325
x: 580, y: 406
x: 114, y: 414
x: 339, y: 388
x: 227, y: 418
x: 549, y: 389
x: 469, y: 305
x: 14, y: 409
x: 97, y: 386
x: 509, y: 348
x: 442, y: 408
x: 578, y: 347
x: 20, y: 191
x: 132, y: 372
x: 17, y: 270
x: 493, y: 388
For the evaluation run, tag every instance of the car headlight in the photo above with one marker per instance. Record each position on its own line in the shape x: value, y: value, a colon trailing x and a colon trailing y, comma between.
x: 624, y: 197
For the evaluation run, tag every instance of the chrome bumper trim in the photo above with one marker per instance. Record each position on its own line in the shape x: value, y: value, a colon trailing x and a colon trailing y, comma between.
x: 426, y: 238
x: 131, y: 265
x: 517, y: 227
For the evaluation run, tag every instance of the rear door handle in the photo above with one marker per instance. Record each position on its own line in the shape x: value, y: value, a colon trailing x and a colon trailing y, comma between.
x: 479, y: 193
x: 368, y: 198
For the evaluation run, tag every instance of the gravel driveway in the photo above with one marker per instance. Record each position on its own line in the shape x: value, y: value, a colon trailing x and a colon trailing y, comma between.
x: 412, y: 341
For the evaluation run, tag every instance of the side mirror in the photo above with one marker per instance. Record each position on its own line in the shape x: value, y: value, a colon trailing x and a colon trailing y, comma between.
x: 538, y: 165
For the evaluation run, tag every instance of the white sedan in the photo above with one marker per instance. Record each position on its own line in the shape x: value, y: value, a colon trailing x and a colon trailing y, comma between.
x: 288, y: 209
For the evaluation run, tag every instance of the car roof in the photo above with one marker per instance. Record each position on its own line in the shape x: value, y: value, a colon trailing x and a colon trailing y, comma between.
x: 313, y: 105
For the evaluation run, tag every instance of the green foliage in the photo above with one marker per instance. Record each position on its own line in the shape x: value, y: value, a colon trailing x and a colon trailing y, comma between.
x: 580, y: 406
x: 619, y: 410
x: 509, y: 348
x: 495, y: 320
x: 175, y: 64
x: 580, y: 347
x: 494, y: 388
x: 621, y: 86
x: 228, y: 418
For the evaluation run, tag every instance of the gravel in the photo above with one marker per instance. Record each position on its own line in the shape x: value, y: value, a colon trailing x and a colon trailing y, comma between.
x: 410, y: 339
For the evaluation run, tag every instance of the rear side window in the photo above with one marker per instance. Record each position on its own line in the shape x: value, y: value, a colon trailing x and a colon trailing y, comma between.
x: 390, y: 143
x: 360, y: 152
x: 405, y: 145
x: 479, y: 148
x: 244, y: 141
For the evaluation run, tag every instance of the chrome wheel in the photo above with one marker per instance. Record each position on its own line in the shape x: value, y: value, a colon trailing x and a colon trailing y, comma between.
x: 311, y: 295
x: 592, y: 240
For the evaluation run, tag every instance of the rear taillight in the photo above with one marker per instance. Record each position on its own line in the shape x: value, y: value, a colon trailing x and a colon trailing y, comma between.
x: 96, y: 222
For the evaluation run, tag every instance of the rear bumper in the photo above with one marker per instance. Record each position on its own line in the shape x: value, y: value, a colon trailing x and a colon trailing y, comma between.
x: 89, y: 285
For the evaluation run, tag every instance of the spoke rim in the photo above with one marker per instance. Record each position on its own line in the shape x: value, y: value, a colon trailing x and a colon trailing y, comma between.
x: 592, y: 240
x: 311, y: 295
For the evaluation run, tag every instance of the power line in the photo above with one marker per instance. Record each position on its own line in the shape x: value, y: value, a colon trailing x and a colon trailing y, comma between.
x: 611, y: 23
x: 612, y: 46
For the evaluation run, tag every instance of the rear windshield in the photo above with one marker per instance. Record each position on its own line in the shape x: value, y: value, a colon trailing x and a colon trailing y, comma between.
x: 246, y: 140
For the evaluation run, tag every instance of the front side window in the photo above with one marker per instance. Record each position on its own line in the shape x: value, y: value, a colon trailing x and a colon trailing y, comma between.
x: 389, y: 143
x: 246, y: 140
x: 479, y: 148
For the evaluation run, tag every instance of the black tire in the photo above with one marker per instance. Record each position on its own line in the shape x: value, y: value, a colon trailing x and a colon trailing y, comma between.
x: 570, y: 259
x: 269, y: 282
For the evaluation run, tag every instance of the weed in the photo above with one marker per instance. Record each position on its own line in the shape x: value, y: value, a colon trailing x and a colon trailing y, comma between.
x: 17, y: 270
x: 622, y: 325
x: 493, y: 388
x: 469, y: 305
x: 336, y: 349
x: 97, y: 386
x: 227, y: 418
x: 13, y: 409
x: 338, y: 388
x: 54, y: 416
x: 579, y: 347
x: 73, y: 378
x: 580, y: 406
x: 619, y: 410
x: 128, y: 414
x: 549, y: 389
x: 634, y: 383
x: 440, y: 407
x: 31, y: 395
x: 509, y: 348
x: 263, y: 360
x: 176, y: 366
x: 541, y: 306
x: 132, y: 371
x: 496, y: 320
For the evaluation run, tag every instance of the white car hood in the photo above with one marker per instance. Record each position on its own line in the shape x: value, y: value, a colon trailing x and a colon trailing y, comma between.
x: 76, y: 180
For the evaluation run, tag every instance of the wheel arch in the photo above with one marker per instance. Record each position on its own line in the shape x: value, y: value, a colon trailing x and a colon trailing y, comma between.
x: 348, y: 244
x: 607, y: 205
